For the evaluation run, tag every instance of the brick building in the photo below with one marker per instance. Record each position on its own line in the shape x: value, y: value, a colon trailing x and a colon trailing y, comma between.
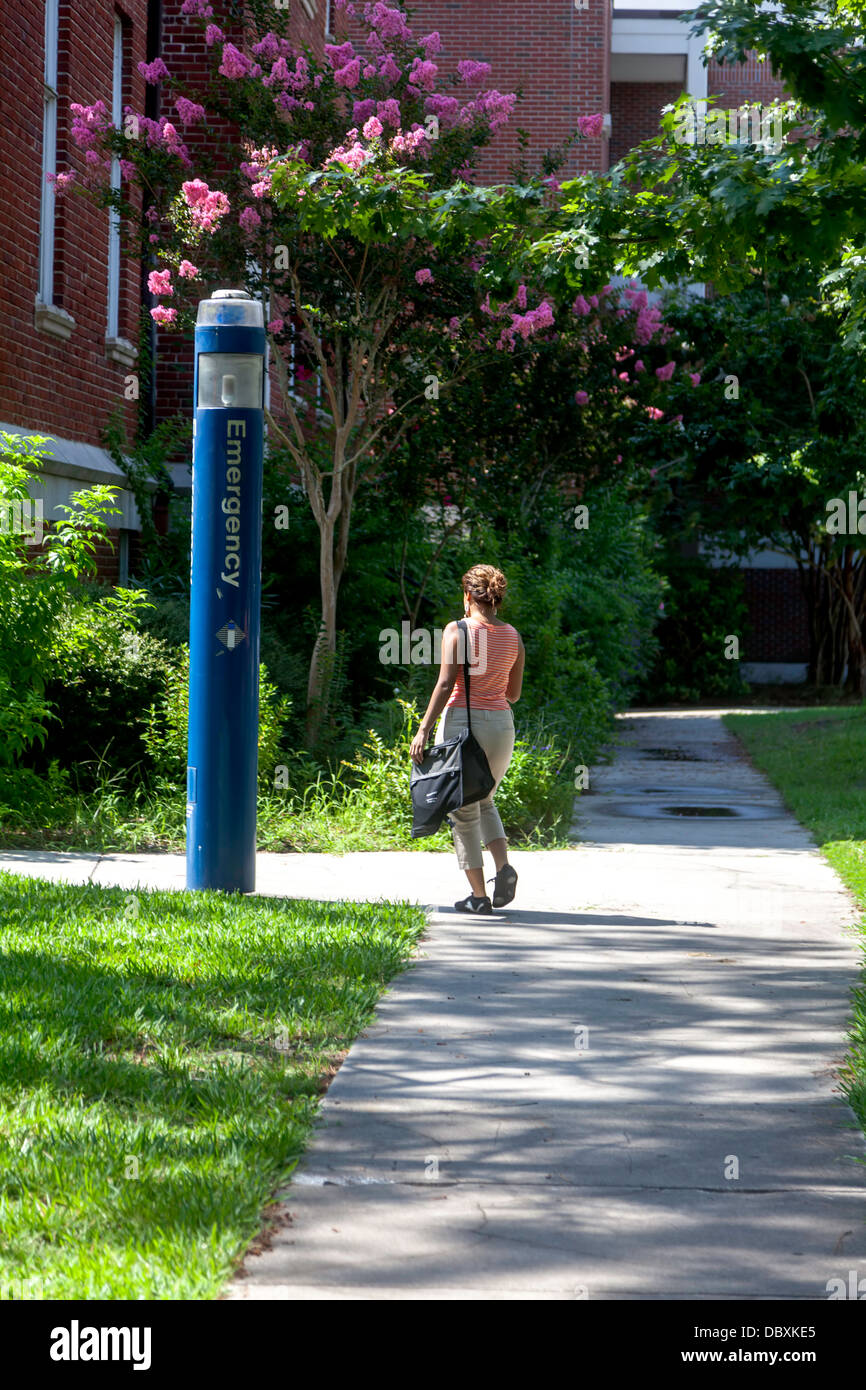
x: 71, y: 305
x: 70, y: 302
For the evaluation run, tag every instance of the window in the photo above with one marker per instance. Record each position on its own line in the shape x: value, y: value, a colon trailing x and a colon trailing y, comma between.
x: 49, y: 155
x: 113, y: 330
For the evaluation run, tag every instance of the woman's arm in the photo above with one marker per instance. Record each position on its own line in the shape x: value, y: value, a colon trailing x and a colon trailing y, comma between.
x: 442, y: 689
x: 515, y: 675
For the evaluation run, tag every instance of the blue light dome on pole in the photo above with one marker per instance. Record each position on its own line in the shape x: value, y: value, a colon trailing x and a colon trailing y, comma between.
x: 225, y: 593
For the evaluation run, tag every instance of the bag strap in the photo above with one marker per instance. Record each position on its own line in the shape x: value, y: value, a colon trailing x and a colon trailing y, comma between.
x: 462, y: 625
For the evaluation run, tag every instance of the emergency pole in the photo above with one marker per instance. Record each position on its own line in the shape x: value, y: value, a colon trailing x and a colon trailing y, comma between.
x: 225, y: 593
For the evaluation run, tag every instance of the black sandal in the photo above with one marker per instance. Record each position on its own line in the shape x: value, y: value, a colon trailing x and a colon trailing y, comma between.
x: 473, y: 904
x: 504, y: 885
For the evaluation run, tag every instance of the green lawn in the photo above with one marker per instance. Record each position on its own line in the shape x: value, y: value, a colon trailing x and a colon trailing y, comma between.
x: 161, y: 1059
x: 817, y: 760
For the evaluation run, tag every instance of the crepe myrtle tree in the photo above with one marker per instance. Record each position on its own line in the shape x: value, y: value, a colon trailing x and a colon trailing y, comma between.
x: 582, y: 399
x: 336, y: 191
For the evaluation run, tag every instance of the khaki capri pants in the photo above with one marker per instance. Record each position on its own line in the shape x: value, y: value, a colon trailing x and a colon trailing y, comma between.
x: 478, y: 824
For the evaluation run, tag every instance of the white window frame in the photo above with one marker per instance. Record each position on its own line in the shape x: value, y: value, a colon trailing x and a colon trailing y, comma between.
x: 49, y: 154
x: 113, y: 328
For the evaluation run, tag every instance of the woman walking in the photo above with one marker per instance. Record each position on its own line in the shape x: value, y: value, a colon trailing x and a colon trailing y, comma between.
x: 496, y: 658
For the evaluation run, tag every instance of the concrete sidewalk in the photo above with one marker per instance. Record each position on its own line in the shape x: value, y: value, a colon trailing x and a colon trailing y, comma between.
x: 623, y: 1086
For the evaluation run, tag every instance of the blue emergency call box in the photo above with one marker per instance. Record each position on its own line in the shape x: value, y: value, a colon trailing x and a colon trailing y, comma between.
x: 225, y: 593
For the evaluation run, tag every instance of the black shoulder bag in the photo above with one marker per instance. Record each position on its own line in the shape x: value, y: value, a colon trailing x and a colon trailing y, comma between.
x: 452, y: 774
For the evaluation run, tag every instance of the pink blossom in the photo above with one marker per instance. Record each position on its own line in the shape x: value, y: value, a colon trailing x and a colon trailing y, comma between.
x: 581, y: 397
x: 444, y: 107
x: 454, y: 326
x: 495, y: 107
x: 424, y: 277
x: 363, y: 110
x: 624, y: 376
x: 213, y: 34
x: 267, y: 48
x: 526, y: 325
x: 580, y: 306
x: 61, y: 181
x: 88, y: 123
x: 355, y: 156
x: 639, y: 366
x: 666, y: 372
x: 470, y: 71
x: 388, y: 68
x: 372, y: 128
x: 187, y: 271
x: 695, y: 378
x: 153, y: 239
x: 423, y: 74
x: 350, y: 75
x: 92, y: 157
x: 234, y: 63
x: 432, y: 43
x: 369, y: 71
x: 390, y: 23
x: 249, y: 220
x: 154, y: 72
x: 163, y: 315
x: 654, y: 413
x: 278, y: 73
x: 521, y: 296
x: 339, y: 54
x: 197, y: 7
x: 207, y: 207
x: 590, y: 126
x: 276, y: 326
x: 127, y: 168
x: 195, y: 191
x: 408, y: 143
x: 159, y: 282
x: 189, y: 111
x: 262, y: 187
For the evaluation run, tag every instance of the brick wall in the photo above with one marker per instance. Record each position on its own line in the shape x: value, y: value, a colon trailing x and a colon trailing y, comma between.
x: 46, y: 383
x: 187, y: 58
x: 635, y: 109
x: 778, y: 616
x: 558, y: 55
x: 744, y: 82
x: 635, y: 106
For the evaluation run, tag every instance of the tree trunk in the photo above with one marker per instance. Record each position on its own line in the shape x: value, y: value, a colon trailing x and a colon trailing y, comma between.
x: 325, y: 647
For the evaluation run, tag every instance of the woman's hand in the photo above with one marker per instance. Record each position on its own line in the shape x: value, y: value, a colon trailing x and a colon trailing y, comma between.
x: 418, y: 745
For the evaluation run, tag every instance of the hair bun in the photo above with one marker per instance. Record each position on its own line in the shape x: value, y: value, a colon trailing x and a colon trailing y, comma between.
x: 485, y: 584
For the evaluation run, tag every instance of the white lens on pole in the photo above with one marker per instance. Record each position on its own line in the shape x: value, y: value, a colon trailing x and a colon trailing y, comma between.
x: 230, y: 379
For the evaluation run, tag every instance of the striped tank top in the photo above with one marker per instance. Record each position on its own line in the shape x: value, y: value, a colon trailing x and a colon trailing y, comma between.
x: 493, y: 649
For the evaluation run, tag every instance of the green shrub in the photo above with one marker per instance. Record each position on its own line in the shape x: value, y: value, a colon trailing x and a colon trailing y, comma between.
x: 105, y: 675
x: 703, y: 604
x: 165, y: 725
x: 536, y: 795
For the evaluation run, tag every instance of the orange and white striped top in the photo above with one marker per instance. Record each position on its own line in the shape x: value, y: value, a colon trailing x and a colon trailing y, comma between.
x: 493, y: 649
